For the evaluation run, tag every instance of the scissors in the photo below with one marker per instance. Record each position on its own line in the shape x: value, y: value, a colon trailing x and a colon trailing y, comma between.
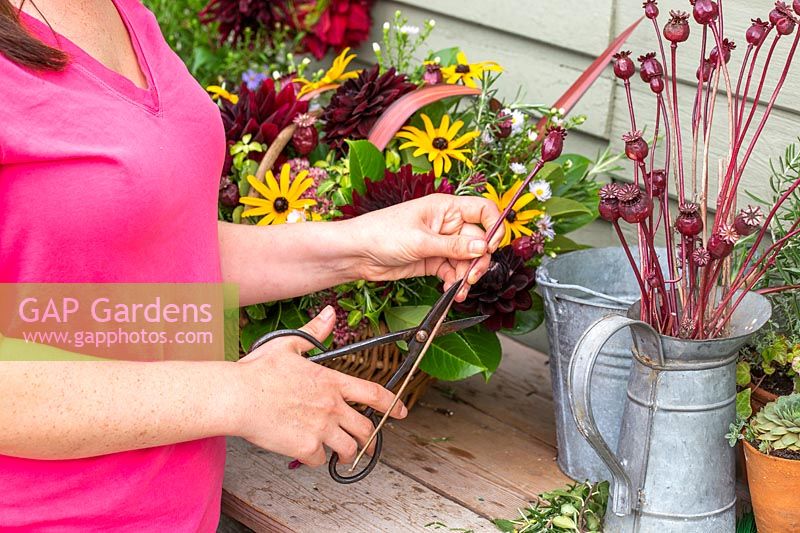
x: 418, y: 340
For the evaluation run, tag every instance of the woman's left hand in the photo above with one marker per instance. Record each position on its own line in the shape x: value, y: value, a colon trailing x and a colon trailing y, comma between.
x: 437, y: 235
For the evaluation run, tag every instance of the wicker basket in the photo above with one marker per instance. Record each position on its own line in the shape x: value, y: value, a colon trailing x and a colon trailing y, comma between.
x: 378, y: 364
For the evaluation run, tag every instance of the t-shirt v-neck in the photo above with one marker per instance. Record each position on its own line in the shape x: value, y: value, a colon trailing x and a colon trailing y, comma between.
x: 95, y: 69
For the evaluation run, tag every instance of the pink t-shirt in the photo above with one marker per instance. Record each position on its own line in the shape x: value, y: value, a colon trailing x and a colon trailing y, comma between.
x: 101, y: 181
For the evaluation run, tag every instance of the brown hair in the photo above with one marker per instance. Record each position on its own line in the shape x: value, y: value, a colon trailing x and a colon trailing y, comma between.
x: 23, y: 48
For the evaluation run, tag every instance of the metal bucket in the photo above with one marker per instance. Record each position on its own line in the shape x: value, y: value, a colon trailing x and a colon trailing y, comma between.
x: 578, y: 289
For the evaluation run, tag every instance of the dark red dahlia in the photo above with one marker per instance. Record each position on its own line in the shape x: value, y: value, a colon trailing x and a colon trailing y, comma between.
x: 262, y: 113
x: 689, y: 223
x: 624, y: 68
x: 553, y: 143
x: 395, y: 188
x: 650, y: 9
x: 343, y: 23
x: 234, y: 16
x: 748, y: 221
x: 358, y: 102
x: 502, y: 291
x: 609, y: 202
x: 677, y: 28
x: 705, y: 11
x: 757, y: 32
x: 636, y: 147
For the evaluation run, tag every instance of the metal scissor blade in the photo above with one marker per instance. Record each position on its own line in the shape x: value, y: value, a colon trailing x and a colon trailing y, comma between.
x: 404, y: 335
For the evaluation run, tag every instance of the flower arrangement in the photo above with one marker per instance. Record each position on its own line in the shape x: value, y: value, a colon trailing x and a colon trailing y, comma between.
x: 342, y: 142
x: 712, y: 262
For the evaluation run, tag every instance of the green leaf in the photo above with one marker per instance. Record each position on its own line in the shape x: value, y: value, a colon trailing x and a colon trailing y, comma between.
x: 743, y: 408
x: 486, y: 346
x: 254, y: 330
x: 527, y: 321
x: 447, y: 56
x: 561, y: 244
x: 292, y: 317
x: 559, y: 207
x: 506, y: 526
x: 405, y: 317
x: 743, y: 376
x: 256, y: 312
x: 451, y: 358
x: 366, y: 161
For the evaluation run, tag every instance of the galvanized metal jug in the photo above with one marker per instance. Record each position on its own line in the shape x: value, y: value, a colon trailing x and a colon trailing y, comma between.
x: 673, y: 470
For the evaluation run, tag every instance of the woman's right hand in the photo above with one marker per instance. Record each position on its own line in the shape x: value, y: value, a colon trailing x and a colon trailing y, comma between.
x: 295, y: 407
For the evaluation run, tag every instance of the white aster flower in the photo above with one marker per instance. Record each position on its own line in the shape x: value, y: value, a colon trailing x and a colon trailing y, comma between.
x: 295, y: 217
x: 541, y: 190
x: 487, y: 137
x: 376, y: 47
x: 517, y: 120
x: 518, y: 168
x: 386, y: 26
x: 545, y: 225
x: 409, y: 29
x: 533, y: 135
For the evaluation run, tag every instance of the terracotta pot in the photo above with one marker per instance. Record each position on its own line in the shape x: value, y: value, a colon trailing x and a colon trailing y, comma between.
x: 760, y: 397
x: 774, y: 486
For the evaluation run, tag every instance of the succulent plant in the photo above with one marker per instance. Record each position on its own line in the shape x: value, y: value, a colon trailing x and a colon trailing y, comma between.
x: 777, y: 425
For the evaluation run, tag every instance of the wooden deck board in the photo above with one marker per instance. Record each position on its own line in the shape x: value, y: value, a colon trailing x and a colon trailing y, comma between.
x: 490, y: 457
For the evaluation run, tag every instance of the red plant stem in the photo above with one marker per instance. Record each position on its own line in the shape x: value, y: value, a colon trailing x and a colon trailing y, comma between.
x: 632, y: 114
x: 678, y: 133
x: 740, y: 171
x: 739, y: 86
x: 668, y: 234
x: 710, y: 273
x: 695, y: 113
x: 776, y: 290
x: 721, y: 64
x: 645, y: 300
x: 749, y: 81
x: 491, y: 233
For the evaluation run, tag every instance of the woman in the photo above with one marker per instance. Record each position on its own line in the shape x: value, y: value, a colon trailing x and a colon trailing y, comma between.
x: 110, y: 155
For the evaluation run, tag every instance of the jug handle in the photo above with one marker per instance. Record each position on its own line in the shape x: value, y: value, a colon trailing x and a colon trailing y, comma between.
x: 581, y: 367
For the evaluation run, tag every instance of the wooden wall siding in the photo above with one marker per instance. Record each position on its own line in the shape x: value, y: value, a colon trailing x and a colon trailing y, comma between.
x: 545, y: 45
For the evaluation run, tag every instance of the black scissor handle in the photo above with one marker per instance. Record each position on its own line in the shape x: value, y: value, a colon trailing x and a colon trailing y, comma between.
x: 373, y: 461
x: 272, y: 335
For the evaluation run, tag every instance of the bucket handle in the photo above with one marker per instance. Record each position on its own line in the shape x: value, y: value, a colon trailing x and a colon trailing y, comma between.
x: 581, y: 367
x: 553, y: 284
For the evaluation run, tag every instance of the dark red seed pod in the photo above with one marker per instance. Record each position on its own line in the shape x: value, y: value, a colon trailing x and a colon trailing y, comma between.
x: 504, y: 127
x: 609, y: 202
x: 657, y: 85
x: 720, y: 245
x: 653, y: 280
x: 636, y: 147
x: 677, y: 28
x: 634, y: 207
x: 781, y: 10
x: 796, y: 6
x: 689, y: 223
x: 658, y: 181
x: 433, y: 74
x: 650, y: 67
x: 228, y: 192
x: 305, y: 137
x: 748, y: 221
x: 757, y: 32
x: 705, y: 11
x: 785, y: 26
x: 624, y: 68
x: 650, y: 9
x: 701, y: 257
x: 727, y: 48
x: 706, y: 70
x: 553, y: 143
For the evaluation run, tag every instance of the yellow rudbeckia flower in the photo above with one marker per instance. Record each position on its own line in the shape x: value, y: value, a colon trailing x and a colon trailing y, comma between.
x: 467, y: 72
x: 516, y: 223
x: 218, y: 92
x: 439, y: 144
x: 280, y: 199
x: 334, y: 76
